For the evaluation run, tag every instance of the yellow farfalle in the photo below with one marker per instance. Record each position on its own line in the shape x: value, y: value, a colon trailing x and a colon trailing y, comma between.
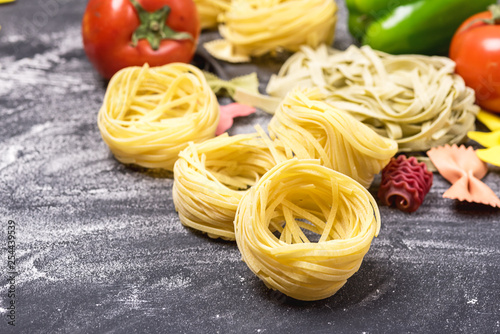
x: 490, y: 140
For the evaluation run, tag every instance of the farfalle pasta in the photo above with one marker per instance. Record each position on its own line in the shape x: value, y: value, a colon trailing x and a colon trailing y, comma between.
x: 150, y: 114
x: 490, y: 140
x: 464, y: 170
x: 405, y: 182
x: 304, y: 229
x: 311, y: 129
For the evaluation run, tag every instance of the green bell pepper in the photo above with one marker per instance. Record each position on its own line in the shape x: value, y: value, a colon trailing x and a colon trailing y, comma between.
x: 410, y: 26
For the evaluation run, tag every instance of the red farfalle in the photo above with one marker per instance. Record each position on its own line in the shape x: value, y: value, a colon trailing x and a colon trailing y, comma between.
x: 405, y: 182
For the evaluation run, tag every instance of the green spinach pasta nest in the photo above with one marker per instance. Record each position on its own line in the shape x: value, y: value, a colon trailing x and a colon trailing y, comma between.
x: 416, y: 100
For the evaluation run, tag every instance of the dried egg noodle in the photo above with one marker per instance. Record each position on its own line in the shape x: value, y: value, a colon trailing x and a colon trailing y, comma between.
x: 416, y: 100
x: 211, y: 177
x: 312, y: 129
x: 150, y: 114
x: 293, y: 202
x: 208, y: 10
x: 256, y: 27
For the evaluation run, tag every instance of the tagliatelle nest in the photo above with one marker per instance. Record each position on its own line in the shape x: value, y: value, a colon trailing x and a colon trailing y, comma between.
x: 209, y: 10
x: 150, y: 114
x: 211, y: 177
x: 256, y: 27
x: 294, y: 202
x: 416, y: 100
x: 312, y: 129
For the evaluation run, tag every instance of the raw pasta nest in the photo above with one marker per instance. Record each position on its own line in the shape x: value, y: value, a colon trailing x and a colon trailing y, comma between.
x: 416, y: 100
x: 312, y: 129
x: 208, y: 10
x: 293, y: 202
x: 211, y: 177
x: 256, y: 27
x: 150, y: 114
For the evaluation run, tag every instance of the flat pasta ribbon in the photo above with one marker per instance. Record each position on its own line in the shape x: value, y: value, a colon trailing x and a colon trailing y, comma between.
x: 211, y: 177
x: 416, y: 100
x: 463, y: 169
x: 311, y: 129
x: 291, y: 206
x: 150, y: 114
x: 257, y: 27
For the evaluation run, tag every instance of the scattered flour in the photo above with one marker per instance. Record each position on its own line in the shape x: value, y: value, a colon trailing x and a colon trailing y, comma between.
x: 17, y: 74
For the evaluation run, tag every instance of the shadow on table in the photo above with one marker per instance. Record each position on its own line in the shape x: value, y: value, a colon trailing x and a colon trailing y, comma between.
x: 156, y: 173
x: 370, y: 283
x: 473, y: 209
x: 205, y: 238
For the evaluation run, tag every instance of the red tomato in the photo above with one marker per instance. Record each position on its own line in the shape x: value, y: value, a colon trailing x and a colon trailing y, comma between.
x: 476, y: 50
x: 108, y: 27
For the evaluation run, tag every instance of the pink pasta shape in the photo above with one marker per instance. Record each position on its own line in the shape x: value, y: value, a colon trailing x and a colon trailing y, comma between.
x: 405, y: 182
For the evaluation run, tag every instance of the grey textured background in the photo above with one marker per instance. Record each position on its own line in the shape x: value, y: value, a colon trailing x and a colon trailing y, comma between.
x: 101, y: 250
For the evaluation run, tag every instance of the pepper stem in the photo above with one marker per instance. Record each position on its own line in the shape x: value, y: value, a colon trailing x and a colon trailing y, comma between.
x: 153, y: 27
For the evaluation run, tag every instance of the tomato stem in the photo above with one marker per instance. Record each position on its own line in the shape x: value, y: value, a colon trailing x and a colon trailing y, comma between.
x: 153, y: 27
x: 495, y: 14
x: 495, y: 17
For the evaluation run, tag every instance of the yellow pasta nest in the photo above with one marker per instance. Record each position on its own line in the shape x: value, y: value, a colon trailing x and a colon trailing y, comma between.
x: 256, y: 27
x: 211, y: 177
x: 292, y: 203
x: 311, y: 129
x: 416, y: 100
x: 150, y: 114
x: 208, y: 10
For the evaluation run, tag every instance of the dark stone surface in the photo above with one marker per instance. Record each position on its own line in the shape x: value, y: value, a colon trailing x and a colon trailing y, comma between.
x: 100, y: 248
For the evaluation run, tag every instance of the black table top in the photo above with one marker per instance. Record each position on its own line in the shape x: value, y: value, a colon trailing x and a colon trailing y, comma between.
x: 100, y: 248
